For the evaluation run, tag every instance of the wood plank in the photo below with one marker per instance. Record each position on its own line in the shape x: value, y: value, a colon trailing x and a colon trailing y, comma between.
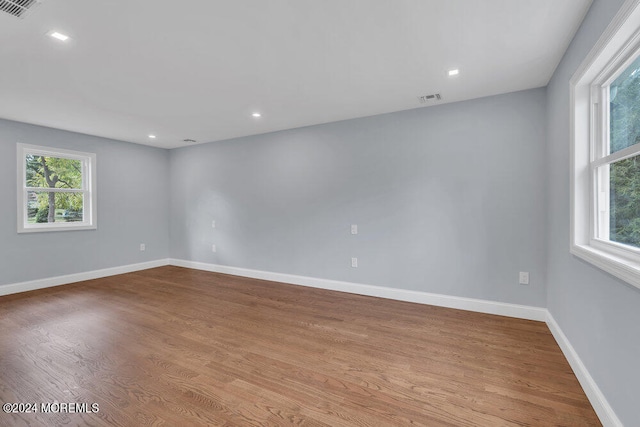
x: 174, y: 346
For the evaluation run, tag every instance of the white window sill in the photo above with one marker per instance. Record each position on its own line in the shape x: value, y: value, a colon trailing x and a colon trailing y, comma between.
x: 49, y: 227
x: 619, y: 266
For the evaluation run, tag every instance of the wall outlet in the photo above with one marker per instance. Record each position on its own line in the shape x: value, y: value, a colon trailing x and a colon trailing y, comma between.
x: 354, y: 228
x: 213, y: 248
x: 213, y: 224
x: 143, y: 247
x: 354, y: 262
x: 524, y: 278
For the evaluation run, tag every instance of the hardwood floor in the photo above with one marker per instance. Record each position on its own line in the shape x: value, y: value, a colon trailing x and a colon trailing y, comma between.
x: 179, y: 347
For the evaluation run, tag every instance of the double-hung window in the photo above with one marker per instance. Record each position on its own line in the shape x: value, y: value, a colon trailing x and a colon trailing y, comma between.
x: 615, y: 167
x: 605, y: 169
x: 56, y: 189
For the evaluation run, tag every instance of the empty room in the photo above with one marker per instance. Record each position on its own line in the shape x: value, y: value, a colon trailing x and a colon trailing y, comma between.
x: 320, y: 213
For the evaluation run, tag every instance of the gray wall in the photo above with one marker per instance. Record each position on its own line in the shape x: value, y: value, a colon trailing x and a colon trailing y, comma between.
x: 448, y: 199
x: 599, y: 314
x: 133, y: 202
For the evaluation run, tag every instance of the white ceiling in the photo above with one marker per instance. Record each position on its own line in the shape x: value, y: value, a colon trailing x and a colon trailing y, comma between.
x: 198, y: 69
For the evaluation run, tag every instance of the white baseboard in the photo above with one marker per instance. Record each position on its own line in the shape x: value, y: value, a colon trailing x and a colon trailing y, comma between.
x: 605, y: 412
x: 597, y: 399
x: 471, y: 304
x: 49, y: 282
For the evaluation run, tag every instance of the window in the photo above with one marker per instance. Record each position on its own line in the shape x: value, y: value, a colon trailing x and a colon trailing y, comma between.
x: 56, y: 189
x: 605, y: 169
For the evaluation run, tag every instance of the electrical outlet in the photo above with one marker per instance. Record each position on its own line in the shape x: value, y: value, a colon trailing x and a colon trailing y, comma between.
x: 354, y: 228
x: 143, y: 247
x: 354, y: 262
x: 213, y: 224
x: 213, y: 248
x: 524, y: 278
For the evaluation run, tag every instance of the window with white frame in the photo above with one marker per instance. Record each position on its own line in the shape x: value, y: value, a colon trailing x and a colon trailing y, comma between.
x: 605, y: 169
x: 56, y: 189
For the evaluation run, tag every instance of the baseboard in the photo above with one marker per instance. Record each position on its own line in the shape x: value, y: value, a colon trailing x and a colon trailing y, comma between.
x: 470, y: 304
x: 600, y: 404
x: 598, y: 401
x: 596, y: 398
x: 15, y: 288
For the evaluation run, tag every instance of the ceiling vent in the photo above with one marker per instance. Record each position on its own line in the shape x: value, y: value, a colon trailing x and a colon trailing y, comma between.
x: 189, y: 141
x: 17, y: 8
x: 429, y: 98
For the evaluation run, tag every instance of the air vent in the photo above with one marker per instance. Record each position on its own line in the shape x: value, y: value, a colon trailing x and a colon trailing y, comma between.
x: 189, y: 141
x: 429, y: 98
x: 17, y: 8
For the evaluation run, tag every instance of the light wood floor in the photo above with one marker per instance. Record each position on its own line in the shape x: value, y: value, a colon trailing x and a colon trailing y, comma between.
x: 179, y: 347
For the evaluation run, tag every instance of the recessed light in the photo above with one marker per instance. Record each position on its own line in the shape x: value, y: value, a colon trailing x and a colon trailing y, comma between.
x: 256, y: 115
x: 152, y: 137
x: 453, y: 72
x: 59, y: 36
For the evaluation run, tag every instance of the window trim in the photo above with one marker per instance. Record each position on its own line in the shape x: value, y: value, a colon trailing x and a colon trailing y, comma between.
x: 614, y: 48
x: 89, y: 186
